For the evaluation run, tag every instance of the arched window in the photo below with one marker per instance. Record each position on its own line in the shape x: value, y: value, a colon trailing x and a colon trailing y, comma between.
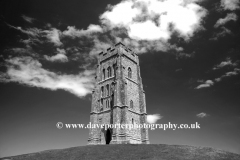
x: 131, y: 104
x: 109, y: 70
x: 104, y: 94
x: 103, y: 74
x: 101, y: 106
x: 102, y: 91
x: 112, y: 89
x: 108, y: 90
x: 106, y: 103
x: 113, y: 71
x: 129, y: 73
x: 132, y: 121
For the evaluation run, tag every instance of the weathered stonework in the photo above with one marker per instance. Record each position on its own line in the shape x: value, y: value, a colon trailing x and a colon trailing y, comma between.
x: 118, y: 98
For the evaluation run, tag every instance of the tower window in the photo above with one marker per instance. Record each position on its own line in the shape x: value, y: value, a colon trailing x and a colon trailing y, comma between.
x: 132, y: 121
x: 131, y: 104
x: 103, y: 74
x: 108, y: 90
x: 129, y: 73
x: 101, y: 105
x: 107, y: 103
x: 109, y: 70
x: 114, y: 69
x: 104, y: 94
x: 112, y: 88
x: 102, y: 91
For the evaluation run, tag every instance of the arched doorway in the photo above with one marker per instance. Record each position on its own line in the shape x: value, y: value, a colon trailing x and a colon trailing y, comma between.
x: 108, y: 136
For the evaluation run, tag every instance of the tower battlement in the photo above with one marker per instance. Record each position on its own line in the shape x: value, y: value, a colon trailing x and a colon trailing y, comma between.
x: 118, y: 48
x: 118, y: 98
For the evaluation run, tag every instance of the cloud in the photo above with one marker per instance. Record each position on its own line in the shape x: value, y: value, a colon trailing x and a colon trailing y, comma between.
x: 31, y: 41
x: 19, y: 50
x: 121, y: 14
x: 57, y: 57
x: 155, y: 20
x: 153, y: 118
x: 207, y: 83
x: 202, y: 115
x: 230, y: 4
x: 228, y: 62
x: 23, y: 64
x: 26, y: 51
x: 229, y: 17
x: 147, y: 31
x: 99, y: 46
x: 54, y: 36
x: 28, y: 19
x: 183, y: 55
x: 143, y: 24
x: 73, y: 32
x: 60, y: 56
x: 61, y: 51
x: 218, y: 79
x: 27, y: 71
x: 29, y: 31
x: 153, y: 45
x: 222, y: 33
x: 235, y: 72
x: 179, y: 69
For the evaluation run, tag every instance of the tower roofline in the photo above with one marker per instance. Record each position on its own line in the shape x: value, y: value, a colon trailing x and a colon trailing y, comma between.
x: 119, y: 44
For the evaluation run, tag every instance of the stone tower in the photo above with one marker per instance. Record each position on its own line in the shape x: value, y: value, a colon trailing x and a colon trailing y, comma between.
x: 118, y: 98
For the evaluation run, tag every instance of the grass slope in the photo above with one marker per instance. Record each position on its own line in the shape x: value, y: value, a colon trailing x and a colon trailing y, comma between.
x: 131, y: 152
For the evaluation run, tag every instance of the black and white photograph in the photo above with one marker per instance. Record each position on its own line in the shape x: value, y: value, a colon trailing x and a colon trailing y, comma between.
x: 120, y: 80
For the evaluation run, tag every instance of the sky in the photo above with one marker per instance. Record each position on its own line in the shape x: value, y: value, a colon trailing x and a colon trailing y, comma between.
x: 189, y: 57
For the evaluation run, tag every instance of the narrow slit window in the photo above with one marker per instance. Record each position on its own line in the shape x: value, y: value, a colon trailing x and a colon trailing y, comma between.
x: 107, y: 91
x: 109, y: 70
x: 129, y: 72
x: 131, y: 104
x: 101, y: 107
x: 102, y: 91
x: 103, y: 76
x: 112, y: 89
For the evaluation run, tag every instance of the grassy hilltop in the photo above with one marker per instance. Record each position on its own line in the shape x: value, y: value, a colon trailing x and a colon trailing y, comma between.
x: 130, y: 152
